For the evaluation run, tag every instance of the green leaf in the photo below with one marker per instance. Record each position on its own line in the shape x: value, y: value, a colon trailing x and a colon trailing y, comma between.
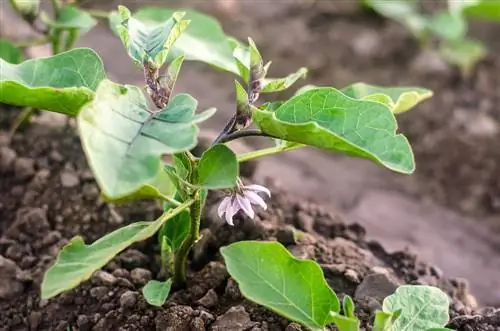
x: 71, y: 17
x: 176, y: 230
x: 203, y: 40
x: 218, y: 168
x: 10, y: 53
x: 464, y: 53
x: 124, y: 141
x: 483, y: 10
x: 422, y: 307
x: 383, y: 321
x: 398, y: 99
x: 394, y: 9
x: 326, y: 118
x: 280, y: 84
x: 27, y: 8
x: 269, y: 275
x: 62, y: 83
x: 156, y: 292
x: 77, y: 261
x: 344, y: 323
x: 439, y: 329
x: 448, y: 25
x: 148, y: 42
x: 348, y: 306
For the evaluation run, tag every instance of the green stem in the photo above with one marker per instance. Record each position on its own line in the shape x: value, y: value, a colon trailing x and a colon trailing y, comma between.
x: 56, y: 41
x: 71, y: 39
x: 56, y: 6
x: 170, y: 200
x: 180, y: 261
x: 266, y: 151
x: 23, y: 117
x: 98, y: 13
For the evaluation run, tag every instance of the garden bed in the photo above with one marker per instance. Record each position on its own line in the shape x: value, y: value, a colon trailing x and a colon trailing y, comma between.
x: 48, y: 196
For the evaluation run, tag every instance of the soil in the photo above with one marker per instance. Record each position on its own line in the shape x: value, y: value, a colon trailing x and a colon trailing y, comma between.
x: 451, y: 204
x: 48, y: 196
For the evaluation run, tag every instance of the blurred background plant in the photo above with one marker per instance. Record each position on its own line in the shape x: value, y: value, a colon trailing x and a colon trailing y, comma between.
x: 444, y: 29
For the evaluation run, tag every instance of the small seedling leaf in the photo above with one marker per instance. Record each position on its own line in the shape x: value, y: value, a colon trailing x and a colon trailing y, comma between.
x: 124, y: 141
x: 176, y: 230
x: 348, y: 306
x: 326, y: 118
x: 448, y: 25
x: 422, y: 307
x: 218, y: 168
x: 9, y: 52
x: 156, y: 292
x: 61, y: 83
x: 269, y: 275
x: 345, y: 323
x: 280, y: 84
x: 148, y: 42
x: 464, y: 53
x: 398, y: 99
x: 71, y: 17
x: 77, y: 261
x: 383, y: 321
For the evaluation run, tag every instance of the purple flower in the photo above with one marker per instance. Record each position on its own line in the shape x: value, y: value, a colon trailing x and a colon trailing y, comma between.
x: 242, y: 199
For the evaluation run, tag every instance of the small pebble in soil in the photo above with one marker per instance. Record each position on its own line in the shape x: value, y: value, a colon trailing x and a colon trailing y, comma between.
x: 174, y: 318
x: 24, y: 168
x: 235, y: 319
x: 34, y: 320
x: 140, y: 276
x: 232, y: 290
x: 7, y: 158
x: 293, y: 327
x: 210, y: 299
x: 104, y: 278
x: 133, y: 258
x: 69, y: 179
x: 83, y: 322
x: 120, y: 272
x: 10, y: 286
x: 128, y: 299
x: 378, y: 285
x: 99, y: 292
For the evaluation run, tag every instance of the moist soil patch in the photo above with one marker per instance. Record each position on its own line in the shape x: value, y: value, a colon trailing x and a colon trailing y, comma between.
x: 49, y: 195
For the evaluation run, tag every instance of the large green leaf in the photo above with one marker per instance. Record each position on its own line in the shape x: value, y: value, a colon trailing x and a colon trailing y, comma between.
x: 77, y: 262
x: 62, y: 83
x: 124, y: 141
x: 422, y: 307
x: 156, y: 292
x: 326, y: 118
x: 483, y: 10
x: 71, y: 17
x: 9, y: 52
x: 269, y: 275
x: 399, y: 99
x: 148, y: 42
x: 218, y: 168
x: 203, y: 40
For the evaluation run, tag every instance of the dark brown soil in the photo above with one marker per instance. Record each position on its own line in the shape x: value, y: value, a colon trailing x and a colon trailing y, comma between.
x: 48, y: 196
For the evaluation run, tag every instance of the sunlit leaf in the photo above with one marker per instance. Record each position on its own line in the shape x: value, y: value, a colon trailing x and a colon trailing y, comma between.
x: 9, y: 52
x: 62, y: 83
x: 218, y: 168
x: 269, y: 275
x: 326, y: 118
x: 71, y: 17
x: 156, y: 292
x: 124, y: 141
x: 77, y: 261
x: 345, y: 323
x: 422, y: 307
x: 483, y: 10
x: 398, y: 99
x: 464, y: 53
x: 280, y: 84
x: 448, y: 25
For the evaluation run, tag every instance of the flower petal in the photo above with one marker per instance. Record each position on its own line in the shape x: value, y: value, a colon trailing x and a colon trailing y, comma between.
x: 245, y: 205
x: 255, y: 199
x: 223, y: 206
x: 258, y: 188
x: 232, y: 208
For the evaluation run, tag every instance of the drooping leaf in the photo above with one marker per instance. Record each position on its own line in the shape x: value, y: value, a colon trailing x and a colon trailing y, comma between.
x: 62, y: 83
x: 422, y: 307
x: 448, y: 25
x: 156, y: 292
x: 77, y: 261
x: 148, y: 42
x: 71, y: 17
x: 398, y: 99
x: 280, y: 84
x: 203, y: 40
x: 218, y: 168
x: 124, y: 141
x: 464, y: 53
x: 326, y: 118
x: 345, y: 323
x: 9, y: 52
x: 269, y: 275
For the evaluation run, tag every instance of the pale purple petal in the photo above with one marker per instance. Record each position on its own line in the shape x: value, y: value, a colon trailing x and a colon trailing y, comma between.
x: 232, y: 208
x: 258, y: 188
x: 223, y: 206
x: 255, y: 199
x: 245, y: 205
